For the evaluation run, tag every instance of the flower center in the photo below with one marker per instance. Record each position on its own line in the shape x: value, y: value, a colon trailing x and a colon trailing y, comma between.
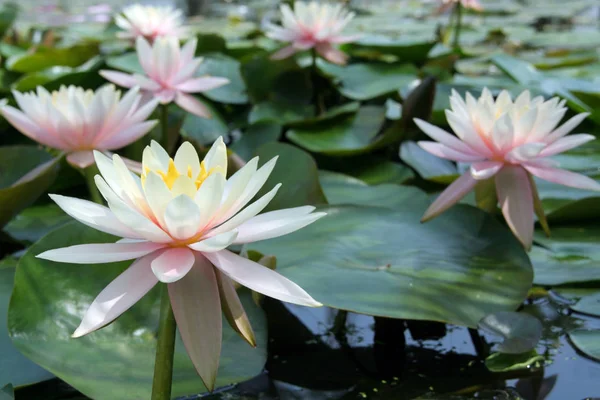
x: 172, y: 174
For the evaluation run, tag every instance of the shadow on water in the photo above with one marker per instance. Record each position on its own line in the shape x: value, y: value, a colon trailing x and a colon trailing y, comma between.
x: 326, y: 354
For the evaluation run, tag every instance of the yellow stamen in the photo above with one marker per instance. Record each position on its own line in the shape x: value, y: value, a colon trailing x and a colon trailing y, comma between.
x: 172, y: 174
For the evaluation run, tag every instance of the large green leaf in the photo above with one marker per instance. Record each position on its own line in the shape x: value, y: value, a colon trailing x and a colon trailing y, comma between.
x: 589, y: 304
x: 571, y: 254
x: 457, y: 268
x: 350, y: 135
x: 34, y: 222
x: 44, y: 58
x: 426, y: 164
x: 8, y: 14
x: 204, y: 131
x: 127, y: 62
x: 588, y: 341
x: 254, y: 137
x: 220, y: 65
x: 86, y: 75
x: 296, y: 171
x: 15, y: 368
x: 366, y: 81
x: 25, y: 173
x: 406, y: 50
x: 116, y: 362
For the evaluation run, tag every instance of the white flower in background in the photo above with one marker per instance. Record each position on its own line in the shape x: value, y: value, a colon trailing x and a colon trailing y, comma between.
x: 150, y: 22
x: 312, y: 26
x: 472, y: 4
x: 177, y: 220
x: 509, y: 141
x: 78, y: 121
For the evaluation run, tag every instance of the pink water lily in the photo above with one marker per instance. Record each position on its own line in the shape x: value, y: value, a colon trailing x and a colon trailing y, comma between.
x: 472, y: 4
x: 312, y: 26
x: 79, y: 121
x: 170, y: 74
x: 177, y: 221
x: 509, y: 141
x: 150, y: 22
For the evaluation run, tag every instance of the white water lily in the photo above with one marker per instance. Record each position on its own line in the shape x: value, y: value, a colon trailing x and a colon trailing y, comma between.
x: 150, y: 22
x: 177, y: 220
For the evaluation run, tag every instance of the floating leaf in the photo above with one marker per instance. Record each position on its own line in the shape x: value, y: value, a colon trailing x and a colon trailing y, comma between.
x: 34, y: 222
x: 25, y: 173
x: 254, y: 137
x: 117, y: 361
x: 204, y: 131
x: 226, y: 67
x: 588, y: 341
x: 407, y: 50
x: 521, y: 332
x: 367, y: 81
x: 588, y: 305
x: 426, y: 164
x: 296, y: 171
x: 15, y: 368
x: 456, y: 269
x: 502, y: 362
x: 44, y: 58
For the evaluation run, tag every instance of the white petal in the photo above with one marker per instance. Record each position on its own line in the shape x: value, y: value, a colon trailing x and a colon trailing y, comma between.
x: 260, y: 279
x: 118, y: 296
x: 94, y: 215
x: 215, y: 243
x: 182, y: 217
x: 217, y: 156
x: 100, y: 253
x: 485, y: 169
x: 565, y: 128
x: 186, y: 159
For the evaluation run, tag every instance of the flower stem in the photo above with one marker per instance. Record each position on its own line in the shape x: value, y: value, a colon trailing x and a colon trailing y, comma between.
x: 165, y: 348
x: 164, y: 126
x: 458, y: 25
x: 313, y: 81
x: 89, y: 173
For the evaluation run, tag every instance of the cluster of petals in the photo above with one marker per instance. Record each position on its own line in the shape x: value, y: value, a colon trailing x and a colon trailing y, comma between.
x: 177, y: 220
x: 78, y: 121
x: 472, y: 4
x: 509, y: 141
x: 150, y: 22
x: 170, y: 74
x: 312, y: 26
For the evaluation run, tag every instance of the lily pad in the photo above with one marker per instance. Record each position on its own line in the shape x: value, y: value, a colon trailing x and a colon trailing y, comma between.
x: 254, y: 137
x: 52, y: 78
x: 204, y: 131
x: 407, y: 50
x: 281, y: 113
x: 352, y: 135
x: 15, y: 367
x: 25, y: 173
x: 455, y: 269
x: 571, y: 254
x: 367, y: 81
x: 588, y: 305
x: 34, y: 222
x: 226, y: 67
x: 297, y: 171
x: 426, y: 164
x: 44, y: 58
x: 117, y: 361
x: 521, y: 332
x: 343, y: 189
x: 588, y: 341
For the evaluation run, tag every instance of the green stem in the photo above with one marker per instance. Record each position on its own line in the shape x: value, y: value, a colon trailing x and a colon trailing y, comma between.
x: 165, y: 348
x: 458, y: 25
x: 164, y: 126
x: 313, y: 79
x: 89, y: 173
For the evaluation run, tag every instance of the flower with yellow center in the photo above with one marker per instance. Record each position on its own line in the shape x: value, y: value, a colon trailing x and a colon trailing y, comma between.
x: 177, y: 220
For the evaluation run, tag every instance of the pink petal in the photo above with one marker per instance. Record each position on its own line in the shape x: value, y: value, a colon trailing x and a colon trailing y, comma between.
x: 284, y: 53
x: 233, y: 308
x: 81, y: 159
x: 118, y: 296
x: 444, y: 137
x: 566, y: 143
x: 516, y: 201
x: 341, y: 39
x: 331, y: 54
x: 260, y: 279
x: 172, y: 264
x: 32, y: 130
x: 197, y: 309
x: 146, y: 83
x: 452, y: 195
x: 127, y: 136
x: 485, y: 169
x: 165, y: 96
x: 215, y: 243
x: 120, y: 78
x: 304, y: 44
x: 100, y: 253
x: 202, y: 84
x: 443, y: 151
x: 563, y: 177
x: 190, y: 104
x: 525, y: 152
x: 94, y: 215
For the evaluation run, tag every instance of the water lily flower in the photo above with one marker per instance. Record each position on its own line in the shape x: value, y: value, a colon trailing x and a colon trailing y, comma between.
x: 150, y: 22
x: 78, y: 121
x: 170, y: 74
x: 472, y: 4
x: 312, y: 26
x: 177, y: 221
x: 509, y: 141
